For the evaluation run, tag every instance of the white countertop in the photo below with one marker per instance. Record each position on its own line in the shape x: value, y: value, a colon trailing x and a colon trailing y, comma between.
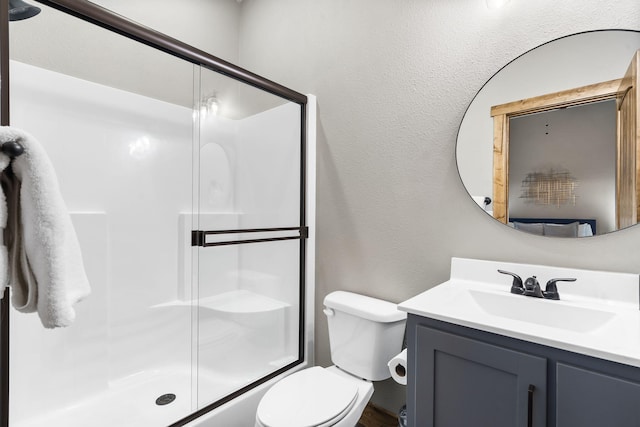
x: 598, y: 315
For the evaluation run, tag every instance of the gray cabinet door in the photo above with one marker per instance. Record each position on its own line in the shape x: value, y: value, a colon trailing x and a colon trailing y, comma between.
x: 460, y: 382
x: 591, y: 399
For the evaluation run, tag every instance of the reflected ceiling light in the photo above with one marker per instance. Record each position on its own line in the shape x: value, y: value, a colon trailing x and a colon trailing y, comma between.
x: 19, y: 10
x: 496, y: 4
x: 140, y: 148
x: 210, y: 106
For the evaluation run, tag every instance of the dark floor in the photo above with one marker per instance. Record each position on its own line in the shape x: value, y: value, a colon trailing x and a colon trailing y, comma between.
x: 374, y: 416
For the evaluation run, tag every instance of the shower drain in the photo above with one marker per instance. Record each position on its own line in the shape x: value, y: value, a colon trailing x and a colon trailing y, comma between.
x: 165, y: 399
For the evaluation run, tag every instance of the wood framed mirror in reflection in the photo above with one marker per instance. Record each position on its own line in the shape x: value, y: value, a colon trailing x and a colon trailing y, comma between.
x: 552, y: 138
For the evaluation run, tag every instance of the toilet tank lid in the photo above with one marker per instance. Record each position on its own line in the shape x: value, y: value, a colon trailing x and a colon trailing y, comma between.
x: 363, y: 306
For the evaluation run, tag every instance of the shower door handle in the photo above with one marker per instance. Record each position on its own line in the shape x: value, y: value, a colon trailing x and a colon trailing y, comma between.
x: 199, y: 237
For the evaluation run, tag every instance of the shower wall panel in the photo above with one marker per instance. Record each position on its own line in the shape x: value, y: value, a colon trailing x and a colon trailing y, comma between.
x: 269, y: 174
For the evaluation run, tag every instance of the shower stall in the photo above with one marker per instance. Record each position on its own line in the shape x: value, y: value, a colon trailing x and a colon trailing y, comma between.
x: 190, y: 183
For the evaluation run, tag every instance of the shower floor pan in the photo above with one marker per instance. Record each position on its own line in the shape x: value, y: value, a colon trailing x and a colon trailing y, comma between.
x: 132, y: 402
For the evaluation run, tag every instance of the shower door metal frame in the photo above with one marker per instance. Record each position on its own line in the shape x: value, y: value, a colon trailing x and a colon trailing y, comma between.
x: 109, y: 20
x: 4, y: 303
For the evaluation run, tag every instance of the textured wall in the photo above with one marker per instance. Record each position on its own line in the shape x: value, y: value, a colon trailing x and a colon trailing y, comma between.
x: 393, y: 79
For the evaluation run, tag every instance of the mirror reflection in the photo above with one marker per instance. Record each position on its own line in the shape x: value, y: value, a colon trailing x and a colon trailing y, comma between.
x: 548, y: 145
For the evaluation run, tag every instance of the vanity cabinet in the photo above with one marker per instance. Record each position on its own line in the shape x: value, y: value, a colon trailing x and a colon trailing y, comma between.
x: 467, y: 377
x: 588, y: 398
x: 465, y: 382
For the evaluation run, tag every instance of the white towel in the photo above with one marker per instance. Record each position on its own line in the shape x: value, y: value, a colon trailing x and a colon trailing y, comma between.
x: 46, y: 272
x: 4, y: 260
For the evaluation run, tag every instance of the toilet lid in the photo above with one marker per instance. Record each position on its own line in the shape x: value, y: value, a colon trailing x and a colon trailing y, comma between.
x: 309, y: 398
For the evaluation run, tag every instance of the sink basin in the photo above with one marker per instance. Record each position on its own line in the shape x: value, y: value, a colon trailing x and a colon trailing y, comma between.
x: 555, y: 314
x: 597, y: 315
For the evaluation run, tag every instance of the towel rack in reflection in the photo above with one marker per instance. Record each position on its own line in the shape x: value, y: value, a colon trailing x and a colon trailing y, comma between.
x: 12, y: 149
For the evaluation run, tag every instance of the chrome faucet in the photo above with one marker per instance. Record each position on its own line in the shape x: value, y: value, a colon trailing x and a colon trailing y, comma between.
x: 531, y: 286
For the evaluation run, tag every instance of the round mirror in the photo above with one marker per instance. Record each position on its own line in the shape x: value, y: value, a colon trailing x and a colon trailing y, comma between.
x: 549, y: 144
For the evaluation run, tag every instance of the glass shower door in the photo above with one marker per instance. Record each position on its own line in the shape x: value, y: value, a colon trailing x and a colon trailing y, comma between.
x: 248, y: 234
x: 121, y: 141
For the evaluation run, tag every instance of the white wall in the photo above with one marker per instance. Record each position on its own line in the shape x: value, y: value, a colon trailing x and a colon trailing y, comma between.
x: 393, y: 80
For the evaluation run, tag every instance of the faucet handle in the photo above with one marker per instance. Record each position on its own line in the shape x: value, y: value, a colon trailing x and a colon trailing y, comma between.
x: 516, y: 285
x: 551, y: 291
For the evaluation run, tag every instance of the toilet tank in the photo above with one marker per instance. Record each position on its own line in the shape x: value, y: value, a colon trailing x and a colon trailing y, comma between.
x: 364, y: 333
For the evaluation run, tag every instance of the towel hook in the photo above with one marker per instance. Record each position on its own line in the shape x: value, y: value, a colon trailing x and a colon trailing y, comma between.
x: 12, y: 149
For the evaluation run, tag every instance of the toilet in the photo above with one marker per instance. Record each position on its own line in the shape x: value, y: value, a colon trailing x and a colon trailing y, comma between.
x: 364, y: 334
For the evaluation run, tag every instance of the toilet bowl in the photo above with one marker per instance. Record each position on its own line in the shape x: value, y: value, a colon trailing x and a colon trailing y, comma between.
x: 364, y: 333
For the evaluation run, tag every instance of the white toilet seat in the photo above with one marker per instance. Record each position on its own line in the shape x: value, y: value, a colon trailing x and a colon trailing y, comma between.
x: 313, y: 397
